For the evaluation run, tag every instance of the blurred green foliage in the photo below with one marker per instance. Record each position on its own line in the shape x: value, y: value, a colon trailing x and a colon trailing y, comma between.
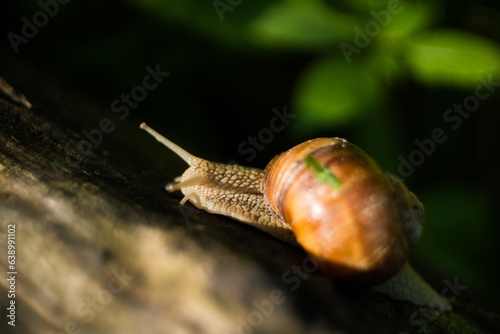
x: 382, y: 42
x: 380, y: 72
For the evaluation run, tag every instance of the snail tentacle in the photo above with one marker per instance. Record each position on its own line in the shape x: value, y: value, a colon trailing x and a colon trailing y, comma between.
x: 186, y: 156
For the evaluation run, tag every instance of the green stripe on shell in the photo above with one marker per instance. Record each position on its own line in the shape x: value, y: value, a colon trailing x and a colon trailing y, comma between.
x: 323, y: 174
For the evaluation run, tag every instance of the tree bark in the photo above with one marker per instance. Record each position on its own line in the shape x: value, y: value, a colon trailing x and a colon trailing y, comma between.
x: 100, y: 247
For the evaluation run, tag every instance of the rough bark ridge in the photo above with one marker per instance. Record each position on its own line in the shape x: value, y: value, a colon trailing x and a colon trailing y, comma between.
x: 101, y: 248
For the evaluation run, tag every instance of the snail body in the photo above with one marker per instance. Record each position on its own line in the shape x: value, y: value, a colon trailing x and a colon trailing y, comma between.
x: 329, y: 197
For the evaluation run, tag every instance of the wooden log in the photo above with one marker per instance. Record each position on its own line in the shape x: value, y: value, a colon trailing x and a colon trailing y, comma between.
x: 100, y: 247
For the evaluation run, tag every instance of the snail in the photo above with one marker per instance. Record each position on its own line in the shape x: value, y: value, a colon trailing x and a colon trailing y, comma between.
x: 327, y: 196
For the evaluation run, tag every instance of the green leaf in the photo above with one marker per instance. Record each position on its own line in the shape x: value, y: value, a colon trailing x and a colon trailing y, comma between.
x: 323, y: 174
x: 302, y: 25
x: 334, y: 92
x: 224, y: 26
x: 367, y: 5
x: 411, y: 18
x: 451, y: 58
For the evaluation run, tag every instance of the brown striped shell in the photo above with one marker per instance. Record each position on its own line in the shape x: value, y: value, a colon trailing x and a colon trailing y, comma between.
x: 351, y: 225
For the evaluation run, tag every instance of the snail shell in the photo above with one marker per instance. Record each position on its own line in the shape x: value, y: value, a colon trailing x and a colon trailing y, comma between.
x: 340, y: 207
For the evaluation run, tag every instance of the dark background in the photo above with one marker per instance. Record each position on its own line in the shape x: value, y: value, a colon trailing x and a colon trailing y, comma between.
x: 227, y: 76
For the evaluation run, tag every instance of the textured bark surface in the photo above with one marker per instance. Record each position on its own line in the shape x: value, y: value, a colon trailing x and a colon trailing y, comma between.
x: 102, y: 248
